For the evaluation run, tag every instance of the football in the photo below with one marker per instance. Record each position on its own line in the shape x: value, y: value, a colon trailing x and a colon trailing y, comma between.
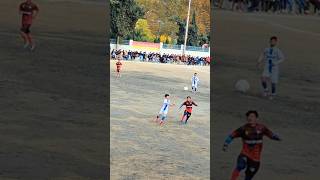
x: 242, y: 86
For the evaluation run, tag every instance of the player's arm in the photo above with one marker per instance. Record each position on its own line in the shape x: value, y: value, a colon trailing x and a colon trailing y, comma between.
x: 36, y: 11
x: 20, y: 9
x: 280, y: 58
x: 259, y: 62
x: 194, y: 103
x: 235, y: 134
x: 270, y: 134
x: 181, y: 105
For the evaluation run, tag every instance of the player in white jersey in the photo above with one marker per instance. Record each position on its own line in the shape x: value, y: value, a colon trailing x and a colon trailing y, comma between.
x: 271, y: 58
x: 194, y: 82
x: 161, y: 117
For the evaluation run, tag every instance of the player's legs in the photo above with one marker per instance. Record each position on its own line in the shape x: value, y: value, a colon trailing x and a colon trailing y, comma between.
x: 273, y: 89
x: 24, y: 37
x: 27, y: 36
x: 32, y: 45
x: 184, y: 116
x: 188, y: 116
x: 252, y: 169
x: 264, y: 83
x: 159, y: 116
x: 274, y: 81
x: 23, y: 32
x: 163, y: 118
x: 118, y: 73
x: 265, y: 80
x: 241, y: 165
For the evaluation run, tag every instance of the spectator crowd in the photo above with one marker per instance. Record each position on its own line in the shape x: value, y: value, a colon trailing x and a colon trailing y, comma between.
x: 158, y: 58
x: 275, y: 6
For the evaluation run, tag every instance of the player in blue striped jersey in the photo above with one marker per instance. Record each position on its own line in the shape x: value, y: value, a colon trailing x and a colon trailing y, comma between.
x: 161, y: 117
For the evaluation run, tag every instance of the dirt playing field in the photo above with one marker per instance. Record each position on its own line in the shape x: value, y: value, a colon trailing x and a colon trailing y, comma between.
x: 140, y: 148
x: 53, y: 109
x: 294, y: 114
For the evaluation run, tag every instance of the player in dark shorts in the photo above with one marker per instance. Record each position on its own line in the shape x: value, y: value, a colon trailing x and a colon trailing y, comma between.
x: 187, y: 112
x: 29, y: 11
x: 119, y: 65
x: 252, y: 138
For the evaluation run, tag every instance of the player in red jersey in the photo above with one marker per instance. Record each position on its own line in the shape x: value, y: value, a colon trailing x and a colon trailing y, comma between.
x: 187, y: 112
x: 252, y: 138
x: 29, y: 12
x: 119, y: 65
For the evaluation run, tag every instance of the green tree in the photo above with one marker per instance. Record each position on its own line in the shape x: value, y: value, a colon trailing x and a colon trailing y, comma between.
x: 203, y: 39
x: 165, y: 10
x: 181, y: 32
x: 193, y: 36
x: 124, y: 15
x: 193, y: 39
x: 156, y: 40
x: 142, y: 31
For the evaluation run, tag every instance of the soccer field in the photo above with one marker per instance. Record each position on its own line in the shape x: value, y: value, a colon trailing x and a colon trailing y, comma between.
x: 140, y: 148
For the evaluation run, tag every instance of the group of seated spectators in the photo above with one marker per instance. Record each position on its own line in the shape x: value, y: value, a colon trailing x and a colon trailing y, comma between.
x: 275, y: 6
x: 157, y: 57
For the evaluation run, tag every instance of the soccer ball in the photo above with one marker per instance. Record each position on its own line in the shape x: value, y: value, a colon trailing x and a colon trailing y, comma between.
x: 242, y: 85
x: 185, y: 88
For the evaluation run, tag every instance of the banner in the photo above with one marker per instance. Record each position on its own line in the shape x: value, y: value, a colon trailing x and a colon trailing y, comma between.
x: 146, y: 46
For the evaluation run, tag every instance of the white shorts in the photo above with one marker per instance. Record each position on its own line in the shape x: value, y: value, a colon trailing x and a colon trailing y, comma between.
x: 273, y: 76
x: 163, y: 114
x: 194, y: 85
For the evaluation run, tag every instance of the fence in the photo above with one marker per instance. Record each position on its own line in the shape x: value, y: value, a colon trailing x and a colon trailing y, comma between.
x: 124, y: 42
x: 160, y: 48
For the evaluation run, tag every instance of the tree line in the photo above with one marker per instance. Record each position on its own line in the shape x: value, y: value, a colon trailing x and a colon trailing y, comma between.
x: 160, y: 21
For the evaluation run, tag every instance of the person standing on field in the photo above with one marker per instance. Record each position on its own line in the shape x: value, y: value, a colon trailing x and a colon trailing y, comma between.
x: 194, y: 82
x: 271, y: 58
x: 29, y: 12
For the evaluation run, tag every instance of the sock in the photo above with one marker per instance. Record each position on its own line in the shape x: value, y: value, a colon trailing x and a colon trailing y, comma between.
x: 264, y: 85
x: 273, y: 88
x: 235, y: 174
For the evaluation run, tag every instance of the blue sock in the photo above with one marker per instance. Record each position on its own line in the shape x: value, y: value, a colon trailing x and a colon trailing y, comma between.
x: 273, y: 88
x: 264, y: 85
